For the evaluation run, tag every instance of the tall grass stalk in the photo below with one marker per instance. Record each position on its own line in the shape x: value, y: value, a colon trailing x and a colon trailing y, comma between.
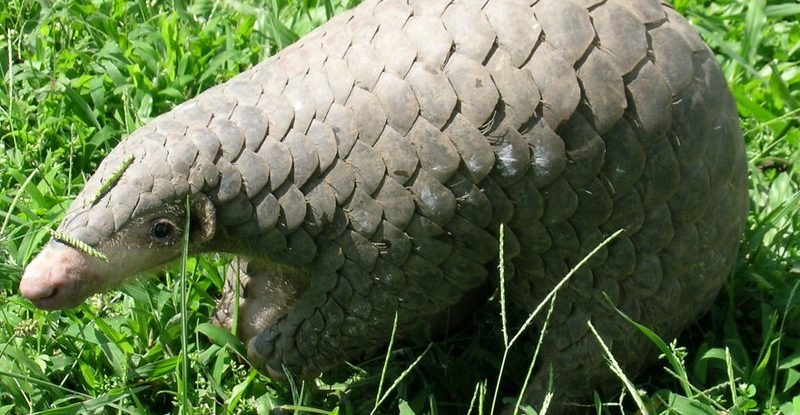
x: 535, y: 357
x: 400, y: 378
x: 186, y: 407
x: 14, y: 202
x: 389, y: 350
x: 545, y: 301
x: 617, y: 369
x: 501, y: 267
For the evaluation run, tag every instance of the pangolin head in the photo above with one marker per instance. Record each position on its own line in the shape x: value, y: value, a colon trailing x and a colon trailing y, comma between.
x: 129, y: 218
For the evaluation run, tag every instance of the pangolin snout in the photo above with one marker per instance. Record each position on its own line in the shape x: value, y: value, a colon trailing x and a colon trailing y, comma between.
x: 50, y: 278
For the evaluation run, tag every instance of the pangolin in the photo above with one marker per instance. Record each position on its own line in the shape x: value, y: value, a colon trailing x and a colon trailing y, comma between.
x: 366, y: 170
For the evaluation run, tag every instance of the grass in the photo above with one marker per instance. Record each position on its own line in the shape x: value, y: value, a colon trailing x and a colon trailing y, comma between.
x: 77, y: 76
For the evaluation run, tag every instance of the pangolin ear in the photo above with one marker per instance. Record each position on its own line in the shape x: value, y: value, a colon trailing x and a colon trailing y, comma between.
x: 204, y: 219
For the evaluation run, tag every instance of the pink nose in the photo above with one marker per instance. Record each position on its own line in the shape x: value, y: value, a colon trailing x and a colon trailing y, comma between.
x: 38, y: 284
x: 46, y: 280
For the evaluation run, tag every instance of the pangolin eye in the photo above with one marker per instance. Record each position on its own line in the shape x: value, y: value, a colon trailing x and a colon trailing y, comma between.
x: 163, y: 230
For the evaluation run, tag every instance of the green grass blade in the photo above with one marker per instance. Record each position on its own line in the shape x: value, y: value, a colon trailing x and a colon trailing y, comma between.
x: 685, y: 406
x: 536, y: 351
x: 83, y: 106
x: 617, y: 369
x: 14, y: 202
x: 156, y: 370
x: 662, y: 346
x: 238, y: 392
x: 223, y: 338
x: 402, y: 376
x: 306, y: 409
x: 186, y: 407
x: 753, y: 25
x: 782, y: 10
x: 386, y: 363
